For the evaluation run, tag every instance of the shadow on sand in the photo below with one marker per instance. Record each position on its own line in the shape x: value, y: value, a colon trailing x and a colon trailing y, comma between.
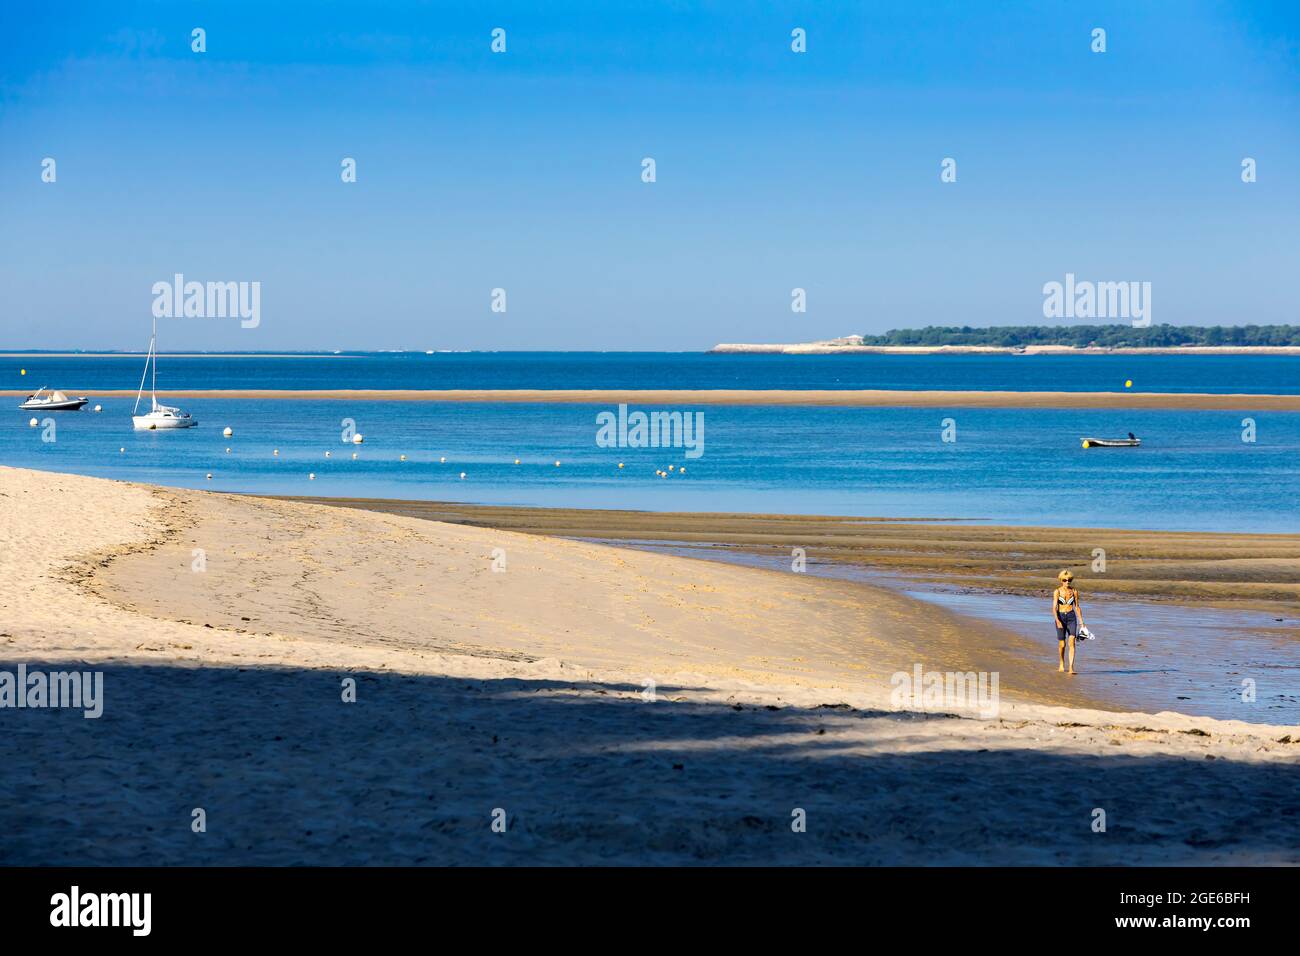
x: 411, y: 773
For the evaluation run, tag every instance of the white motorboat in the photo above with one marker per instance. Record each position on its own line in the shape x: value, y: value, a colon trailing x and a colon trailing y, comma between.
x: 1131, y: 442
x: 159, y: 416
x: 55, y: 401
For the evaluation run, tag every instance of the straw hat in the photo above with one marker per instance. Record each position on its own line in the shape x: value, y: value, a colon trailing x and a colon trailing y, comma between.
x: 1065, y: 576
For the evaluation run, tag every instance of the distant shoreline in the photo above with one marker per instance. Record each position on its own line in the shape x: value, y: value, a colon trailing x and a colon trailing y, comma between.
x: 830, y: 348
x: 833, y: 347
x: 872, y: 398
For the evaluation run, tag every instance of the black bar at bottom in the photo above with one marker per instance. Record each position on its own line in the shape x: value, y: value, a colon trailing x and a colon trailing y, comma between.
x: 369, y: 904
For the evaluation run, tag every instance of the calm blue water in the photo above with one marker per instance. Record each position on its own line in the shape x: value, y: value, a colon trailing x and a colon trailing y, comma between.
x: 1106, y: 373
x: 1007, y: 466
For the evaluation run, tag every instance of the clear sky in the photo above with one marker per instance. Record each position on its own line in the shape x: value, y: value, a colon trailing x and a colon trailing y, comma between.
x: 522, y: 170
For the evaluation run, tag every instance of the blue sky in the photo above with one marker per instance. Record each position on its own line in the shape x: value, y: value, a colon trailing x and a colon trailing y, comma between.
x: 522, y: 170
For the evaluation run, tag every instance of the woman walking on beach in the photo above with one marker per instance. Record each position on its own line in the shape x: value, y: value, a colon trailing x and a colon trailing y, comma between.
x: 1068, y: 616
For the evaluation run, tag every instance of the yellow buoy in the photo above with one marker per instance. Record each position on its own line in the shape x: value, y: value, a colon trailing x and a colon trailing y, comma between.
x: 516, y: 461
x: 1128, y: 383
x: 620, y: 464
x: 1086, y: 443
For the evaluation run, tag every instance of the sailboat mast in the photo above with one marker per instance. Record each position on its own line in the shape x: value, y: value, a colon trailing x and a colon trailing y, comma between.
x: 153, y: 348
x: 148, y: 358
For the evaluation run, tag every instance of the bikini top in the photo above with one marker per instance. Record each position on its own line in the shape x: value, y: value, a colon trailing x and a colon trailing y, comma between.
x: 1066, y: 603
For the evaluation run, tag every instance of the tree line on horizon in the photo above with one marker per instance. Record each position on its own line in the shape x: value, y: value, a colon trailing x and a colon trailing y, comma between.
x: 1100, y: 336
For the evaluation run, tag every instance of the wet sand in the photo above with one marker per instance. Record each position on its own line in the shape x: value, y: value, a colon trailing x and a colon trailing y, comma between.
x: 867, y: 398
x: 1258, y: 571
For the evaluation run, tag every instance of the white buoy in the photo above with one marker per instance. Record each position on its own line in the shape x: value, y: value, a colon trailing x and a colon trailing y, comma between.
x: 557, y: 464
x: 357, y: 439
x: 516, y: 461
x: 209, y: 476
x: 462, y: 476
x: 620, y: 464
x: 33, y: 423
x: 227, y: 451
x: 327, y: 454
x: 227, y: 432
x: 403, y: 457
x: 681, y: 470
x: 311, y: 476
x: 671, y: 467
x: 122, y: 451
x: 354, y: 456
x: 443, y: 459
x: 99, y: 408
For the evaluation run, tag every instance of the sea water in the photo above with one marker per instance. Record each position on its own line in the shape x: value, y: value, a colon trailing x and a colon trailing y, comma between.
x: 1194, y: 471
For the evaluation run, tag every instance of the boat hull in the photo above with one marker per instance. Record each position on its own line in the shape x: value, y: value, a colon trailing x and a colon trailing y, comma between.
x: 1112, y: 443
x: 149, y: 423
x: 70, y: 406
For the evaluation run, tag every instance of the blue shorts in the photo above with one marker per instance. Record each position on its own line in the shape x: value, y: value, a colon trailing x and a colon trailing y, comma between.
x: 1069, y: 625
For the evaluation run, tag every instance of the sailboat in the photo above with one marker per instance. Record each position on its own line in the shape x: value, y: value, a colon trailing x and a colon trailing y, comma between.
x: 159, y: 416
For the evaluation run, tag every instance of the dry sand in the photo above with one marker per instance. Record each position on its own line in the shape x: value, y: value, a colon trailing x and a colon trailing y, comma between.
x: 523, y: 690
x: 867, y: 398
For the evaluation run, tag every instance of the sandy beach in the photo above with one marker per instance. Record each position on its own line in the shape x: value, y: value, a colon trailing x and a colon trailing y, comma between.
x: 865, y: 398
x: 844, y: 347
x: 1228, y: 570
x: 526, y: 689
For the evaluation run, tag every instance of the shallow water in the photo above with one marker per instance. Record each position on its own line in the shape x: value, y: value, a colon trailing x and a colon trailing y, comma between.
x: 1006, y: 466
x: 1147, y: 657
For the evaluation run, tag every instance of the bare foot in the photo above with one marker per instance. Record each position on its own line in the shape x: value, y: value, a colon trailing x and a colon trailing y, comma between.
x: 1061, y: 668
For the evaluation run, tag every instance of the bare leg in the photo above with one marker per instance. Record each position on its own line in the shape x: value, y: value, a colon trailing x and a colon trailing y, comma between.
x: 1060, y: 652
x: 1072, y: 670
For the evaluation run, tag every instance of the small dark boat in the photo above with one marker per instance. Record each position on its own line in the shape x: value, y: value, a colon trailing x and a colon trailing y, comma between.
x: 1131, y: 442
x: 54, y: 402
